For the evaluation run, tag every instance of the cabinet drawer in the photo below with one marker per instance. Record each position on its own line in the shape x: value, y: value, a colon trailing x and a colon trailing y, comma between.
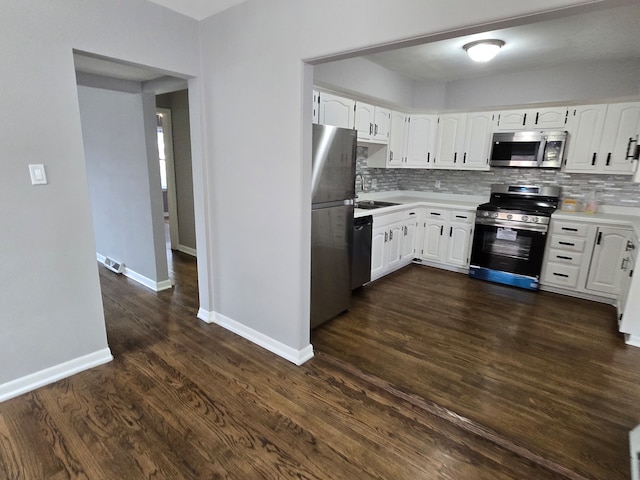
x: 413, y: 214
x: 438, y: 213
x: 567, y: 228
x: 462, y: 216
x: 565, y: 275
x: 567, y: 243
x: 565, y: 257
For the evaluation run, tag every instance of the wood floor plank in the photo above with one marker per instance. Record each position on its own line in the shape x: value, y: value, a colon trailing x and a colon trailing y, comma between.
x: 545, y: 370
x: 423, y: 378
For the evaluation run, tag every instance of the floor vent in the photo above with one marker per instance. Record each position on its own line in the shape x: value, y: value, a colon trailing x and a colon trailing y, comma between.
x: 634, y: 442
x: 112, y: 265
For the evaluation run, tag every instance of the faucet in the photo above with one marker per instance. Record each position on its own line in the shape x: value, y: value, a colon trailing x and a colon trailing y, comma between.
x: 361, y: 182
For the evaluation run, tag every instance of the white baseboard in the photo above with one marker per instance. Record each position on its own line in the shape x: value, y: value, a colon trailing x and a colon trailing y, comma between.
x: 632, y: 340
x: 297, y: 357
x: 576, y: 294
x: 53, y: 374
x: 141, y: 279
x: 187, y: 250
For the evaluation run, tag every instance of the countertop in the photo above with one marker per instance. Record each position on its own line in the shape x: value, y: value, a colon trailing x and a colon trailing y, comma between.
x: 607, y: 215
x: 407, y: 198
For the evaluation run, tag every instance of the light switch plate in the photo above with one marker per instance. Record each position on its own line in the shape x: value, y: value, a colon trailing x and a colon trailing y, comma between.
x: 38, y: 174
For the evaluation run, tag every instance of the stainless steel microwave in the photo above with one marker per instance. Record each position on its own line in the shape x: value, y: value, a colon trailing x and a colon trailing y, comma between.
x: 539, y: 149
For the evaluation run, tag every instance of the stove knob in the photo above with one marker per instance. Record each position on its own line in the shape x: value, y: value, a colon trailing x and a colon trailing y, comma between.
x: 525, y: 218
x: 534, y: 219
x: 494, y: 215
x: 509, y: 217
x: 486, y: 214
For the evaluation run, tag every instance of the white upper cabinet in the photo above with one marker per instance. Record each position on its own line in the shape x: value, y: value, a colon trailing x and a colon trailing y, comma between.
x: 585, y: 131
x: 532, y: 119
x: 397, y: 139
x: 477, y: 141
x: 364, y: 119
x: 450, y: 143
x: 548, y: 118
x: 421, y: 140
x: 602, y: 138
x: 620, y: 137
x: 381, y: 125
x: 316, y: 106
x: 336, y: 111
x: 511, y: 120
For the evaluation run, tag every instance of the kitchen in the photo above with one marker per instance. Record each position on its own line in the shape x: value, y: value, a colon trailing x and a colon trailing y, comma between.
x: 57, y: 321
x: 609, y: 181
x: 416, y: 190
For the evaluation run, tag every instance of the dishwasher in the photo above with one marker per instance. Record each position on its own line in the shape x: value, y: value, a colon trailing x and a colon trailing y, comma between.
x: 361, y: 257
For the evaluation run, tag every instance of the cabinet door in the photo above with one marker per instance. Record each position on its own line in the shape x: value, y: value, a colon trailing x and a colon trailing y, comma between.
x: 394, y: 245
x: 381, y: 124
x: 337, y: 111
x: 619, y: 137
x: 316, y: 107
x: 410, y: 228
x: 397, y: 139
x: 477, y: 141
x: 605, y: 271
x: 511, y: 120
x: 585, y: 132
x: 433, y: 246
x: 379, y: 239
x: 547, y: 118
x: 450, y: 143
x: 364, y: 120
x: 421, y: 139
x: 458, y: 244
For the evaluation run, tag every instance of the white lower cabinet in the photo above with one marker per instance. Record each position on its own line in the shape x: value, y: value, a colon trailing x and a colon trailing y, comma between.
x: 393, y: 241
x: 607, y: 267
x: 434, y: 246
x: 447, y: 237
x: 588, y: 259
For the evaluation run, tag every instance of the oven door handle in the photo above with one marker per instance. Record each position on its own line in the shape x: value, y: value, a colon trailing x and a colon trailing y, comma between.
x: 531, y: 227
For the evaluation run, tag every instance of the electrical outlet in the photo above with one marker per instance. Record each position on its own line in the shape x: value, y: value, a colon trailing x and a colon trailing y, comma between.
x: 374, y: 183
x: 437, y: 183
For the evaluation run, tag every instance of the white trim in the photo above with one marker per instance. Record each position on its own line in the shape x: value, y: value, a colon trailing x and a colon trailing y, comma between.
x: 632, y: 340
x: 141, y: 279
x: 297, y: 357
x: 576, y: 294
x: 634, y: 450
x: 187, y: 250
x: 53, y: 374
x: 172, y: 202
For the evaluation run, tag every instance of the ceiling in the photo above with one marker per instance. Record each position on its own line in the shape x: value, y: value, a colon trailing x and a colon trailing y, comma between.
x: 198, y: 9
x: 103, y: 66
x: 594, y: 36
x: 598, y: 35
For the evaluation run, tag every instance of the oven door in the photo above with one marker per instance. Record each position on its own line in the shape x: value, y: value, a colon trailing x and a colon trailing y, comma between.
x: 506, y: 251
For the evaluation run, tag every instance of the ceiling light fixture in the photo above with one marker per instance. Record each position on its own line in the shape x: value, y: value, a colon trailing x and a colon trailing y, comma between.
x: 483, y: 50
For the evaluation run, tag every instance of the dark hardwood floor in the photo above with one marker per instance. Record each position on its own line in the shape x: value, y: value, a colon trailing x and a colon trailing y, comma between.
x: 427, y: 377
x: 545, y: 372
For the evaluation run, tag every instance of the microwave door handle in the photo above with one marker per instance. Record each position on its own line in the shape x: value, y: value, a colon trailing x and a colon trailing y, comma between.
x: 541, y: 151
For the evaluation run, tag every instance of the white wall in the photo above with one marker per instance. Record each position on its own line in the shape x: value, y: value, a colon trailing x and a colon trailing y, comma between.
x: 119, y: 174
x: 581, y: 82
x: 257, y: 130
x: 50, y: 303
x: 363, y: 77
x: 570, y: 82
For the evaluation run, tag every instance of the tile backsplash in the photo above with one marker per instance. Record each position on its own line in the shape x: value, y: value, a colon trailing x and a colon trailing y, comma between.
x: 616, y: 190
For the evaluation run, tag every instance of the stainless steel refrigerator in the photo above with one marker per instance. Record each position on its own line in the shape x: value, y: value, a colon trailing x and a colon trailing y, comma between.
x: 333, y: 192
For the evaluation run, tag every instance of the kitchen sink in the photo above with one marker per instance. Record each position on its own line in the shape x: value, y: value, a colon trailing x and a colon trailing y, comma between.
x: 371, y: 204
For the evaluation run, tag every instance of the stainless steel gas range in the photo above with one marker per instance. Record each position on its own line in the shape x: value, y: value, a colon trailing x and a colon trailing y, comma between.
x: 511, y: 233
